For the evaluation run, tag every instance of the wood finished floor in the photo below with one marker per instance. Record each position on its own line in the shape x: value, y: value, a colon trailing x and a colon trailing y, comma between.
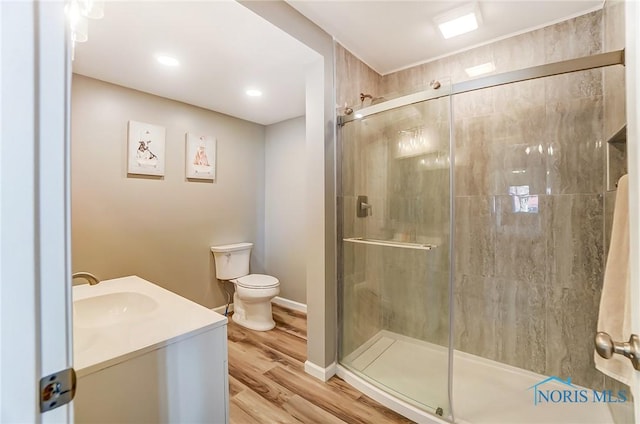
x: 267, y: 382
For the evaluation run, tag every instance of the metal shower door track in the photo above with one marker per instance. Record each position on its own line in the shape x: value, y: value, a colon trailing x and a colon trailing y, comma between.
x: 564, y: 67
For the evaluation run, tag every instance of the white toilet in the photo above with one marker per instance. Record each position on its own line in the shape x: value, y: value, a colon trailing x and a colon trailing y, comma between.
x: 252, y: 299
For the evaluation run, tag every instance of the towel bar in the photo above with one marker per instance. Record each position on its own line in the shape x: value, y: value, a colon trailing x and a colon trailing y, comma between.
x: 391, y: 243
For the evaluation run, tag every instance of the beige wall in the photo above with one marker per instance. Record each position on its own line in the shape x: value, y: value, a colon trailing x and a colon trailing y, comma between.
x: 161, y: 229
x: 284, y: 207
x: 320, y: 205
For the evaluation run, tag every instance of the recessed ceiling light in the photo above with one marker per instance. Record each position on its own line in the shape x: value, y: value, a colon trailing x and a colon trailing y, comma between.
x: 458, y: 26
x: 167, y: 60
x: 485, y: 68
x: 252, y: 92
x: 459, y: 20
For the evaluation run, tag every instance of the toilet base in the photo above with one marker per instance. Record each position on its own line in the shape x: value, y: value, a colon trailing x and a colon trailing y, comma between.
x: 253, y: 315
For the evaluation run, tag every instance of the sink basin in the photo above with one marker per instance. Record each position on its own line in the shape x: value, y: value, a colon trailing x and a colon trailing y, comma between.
x: 112, y: 308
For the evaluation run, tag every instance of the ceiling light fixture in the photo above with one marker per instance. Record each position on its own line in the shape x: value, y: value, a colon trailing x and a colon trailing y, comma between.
x: 485, y: 68
x: 459, y: 21
x: 167, y: 60
x: 252, y: 92
x: 77, y: 12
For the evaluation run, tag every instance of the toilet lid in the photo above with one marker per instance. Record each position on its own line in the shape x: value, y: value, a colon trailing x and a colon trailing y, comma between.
x: 257, y: 281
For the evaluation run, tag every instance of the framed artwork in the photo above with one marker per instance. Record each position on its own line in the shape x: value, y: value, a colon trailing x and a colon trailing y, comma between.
x: 200, y: 157
x: 146, y: 152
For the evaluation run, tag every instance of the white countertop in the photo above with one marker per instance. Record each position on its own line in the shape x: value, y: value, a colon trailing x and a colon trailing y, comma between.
x: 111, y: 333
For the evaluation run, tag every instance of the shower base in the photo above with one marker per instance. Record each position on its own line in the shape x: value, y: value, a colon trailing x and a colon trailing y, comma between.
x: 484, y: 391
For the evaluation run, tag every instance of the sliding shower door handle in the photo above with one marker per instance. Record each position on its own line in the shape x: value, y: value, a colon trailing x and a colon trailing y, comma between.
x: 606, y: 347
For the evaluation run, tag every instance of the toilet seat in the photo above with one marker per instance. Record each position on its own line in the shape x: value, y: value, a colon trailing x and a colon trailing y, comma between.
x: 257, y: 281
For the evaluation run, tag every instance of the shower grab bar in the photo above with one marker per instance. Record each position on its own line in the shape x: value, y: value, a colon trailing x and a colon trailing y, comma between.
x: 390, y: 243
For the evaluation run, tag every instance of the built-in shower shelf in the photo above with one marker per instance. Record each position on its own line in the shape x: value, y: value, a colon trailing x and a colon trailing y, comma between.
x: 391, y: 243
x: 619, y: 139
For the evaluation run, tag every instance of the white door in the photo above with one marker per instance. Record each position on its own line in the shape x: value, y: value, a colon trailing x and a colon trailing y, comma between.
x: 35, y: 284
x: 632, y: 66
x: 632, y: 12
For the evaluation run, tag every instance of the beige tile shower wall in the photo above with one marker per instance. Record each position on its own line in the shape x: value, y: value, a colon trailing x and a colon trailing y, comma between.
x: 614, y: 76
x: 614, y: 89
x: 354, y: 77
x: 527, y: 285
x: 359, y: 286
x: 160, y: 229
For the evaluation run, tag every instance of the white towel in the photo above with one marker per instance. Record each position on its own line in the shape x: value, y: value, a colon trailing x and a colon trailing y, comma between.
x: 614, y: 316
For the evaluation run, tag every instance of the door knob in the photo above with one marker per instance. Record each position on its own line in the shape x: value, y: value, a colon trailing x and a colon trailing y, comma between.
x: 607, y: 347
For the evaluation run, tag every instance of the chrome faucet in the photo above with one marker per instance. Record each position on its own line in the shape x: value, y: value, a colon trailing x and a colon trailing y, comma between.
x: 92, y: 279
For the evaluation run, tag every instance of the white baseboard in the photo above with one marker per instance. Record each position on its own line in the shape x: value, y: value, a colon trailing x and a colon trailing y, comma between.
x: 220, y: 309
x: 290, y: 304
x: 320, y: 373
x: 280, y: 301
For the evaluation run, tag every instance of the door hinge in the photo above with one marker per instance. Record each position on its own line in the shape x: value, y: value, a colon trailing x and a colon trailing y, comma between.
x: 57, y: 389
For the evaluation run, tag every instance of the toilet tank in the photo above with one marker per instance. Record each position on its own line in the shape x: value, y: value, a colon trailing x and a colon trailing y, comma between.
x: 232, y: 260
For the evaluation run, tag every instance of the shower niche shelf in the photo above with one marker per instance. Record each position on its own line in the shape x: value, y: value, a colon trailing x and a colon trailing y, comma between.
x: 619, y: 139
x: 390, y: 243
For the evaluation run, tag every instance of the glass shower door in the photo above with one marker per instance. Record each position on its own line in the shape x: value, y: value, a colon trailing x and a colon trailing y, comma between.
x: 394, y: 209
x: 533, y: 222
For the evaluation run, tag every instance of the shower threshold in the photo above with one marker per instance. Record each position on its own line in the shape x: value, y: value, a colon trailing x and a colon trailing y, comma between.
x: 484, y: 391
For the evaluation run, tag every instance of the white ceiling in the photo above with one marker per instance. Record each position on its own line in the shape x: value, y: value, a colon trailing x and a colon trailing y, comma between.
x: 224, y: 48
x: 393, y: 35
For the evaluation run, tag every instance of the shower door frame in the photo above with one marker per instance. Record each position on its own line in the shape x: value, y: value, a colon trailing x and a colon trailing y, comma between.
x: 616, y: 57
